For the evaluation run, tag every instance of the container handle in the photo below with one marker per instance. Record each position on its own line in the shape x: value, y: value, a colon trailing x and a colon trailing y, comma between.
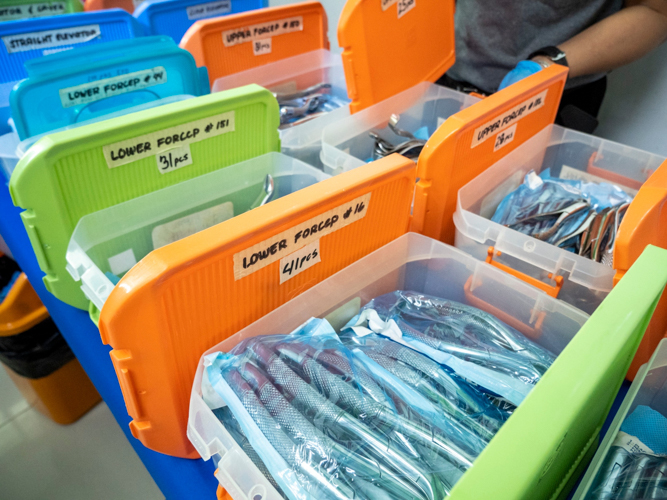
x: 532, y: 332
x: 550, y: 290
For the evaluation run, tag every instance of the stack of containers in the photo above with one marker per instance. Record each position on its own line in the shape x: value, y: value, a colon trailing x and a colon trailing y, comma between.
x: 35, y: 354
x: 200, y: 284
x: 12, y: 10
x: 286, y: 50
x: 218, y: 281
x: 68, y: 90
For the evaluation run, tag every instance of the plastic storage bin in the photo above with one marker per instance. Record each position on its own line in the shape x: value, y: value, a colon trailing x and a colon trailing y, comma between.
x: 346, y: 144
x: 569, y: 154
x: 292, y: 75
x: 106, y: 244
x: 38, y: 359
x: 537, y: 451
x: 648, y: 389
x: 174, y: 17
x: 12, y: 10
x: 363, y: 75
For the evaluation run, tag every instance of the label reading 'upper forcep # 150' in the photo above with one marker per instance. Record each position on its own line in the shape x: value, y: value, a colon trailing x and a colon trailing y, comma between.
x: 109, y: 87
x: 51, y: 38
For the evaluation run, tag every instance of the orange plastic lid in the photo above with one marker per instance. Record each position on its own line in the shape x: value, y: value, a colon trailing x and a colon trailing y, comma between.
x: 21, y: 309
x: 392, y: 45
x: 474, y: 139
x: 229, y: 44
x: 127, y: 5
x: 185, y: 297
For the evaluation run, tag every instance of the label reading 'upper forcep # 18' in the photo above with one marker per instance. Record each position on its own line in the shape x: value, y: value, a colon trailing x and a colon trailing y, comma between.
x: 262, y: 30
x: 51, y: 38
x: 209, y: 9
x: 144, y: 146
x: 13, y: 12
x: 508, y: 118
x: 109, y: 87
x: 283, y: 244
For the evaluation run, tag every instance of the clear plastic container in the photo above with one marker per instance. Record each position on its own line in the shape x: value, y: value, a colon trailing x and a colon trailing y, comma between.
x: 106, y: 244
x: 411, y: 262
x: 347, y: 144
x: 292, y: 74
x: 569, y: 154
x: 8, y: 155
x: 648, y: 389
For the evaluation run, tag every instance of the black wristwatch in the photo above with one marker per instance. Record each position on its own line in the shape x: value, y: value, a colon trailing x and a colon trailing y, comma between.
x: 553, y: 53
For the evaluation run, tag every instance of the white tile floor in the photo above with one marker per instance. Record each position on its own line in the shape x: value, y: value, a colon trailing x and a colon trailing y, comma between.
x: 90, y: 459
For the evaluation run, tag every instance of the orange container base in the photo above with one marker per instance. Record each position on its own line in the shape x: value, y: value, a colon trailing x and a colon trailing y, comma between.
x: 64, y: 396
x: 222, y: 494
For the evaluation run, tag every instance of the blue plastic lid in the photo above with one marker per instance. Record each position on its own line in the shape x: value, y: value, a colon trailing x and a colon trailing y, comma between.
x: 174, y: 17
x: 72, y: 87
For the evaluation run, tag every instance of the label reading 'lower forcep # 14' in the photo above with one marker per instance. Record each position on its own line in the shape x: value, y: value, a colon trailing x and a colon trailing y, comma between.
x: 109, y: 87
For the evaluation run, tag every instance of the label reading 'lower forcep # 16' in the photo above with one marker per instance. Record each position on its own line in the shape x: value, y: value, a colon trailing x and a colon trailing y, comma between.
x: 109, y: 87
x: 283, y: 244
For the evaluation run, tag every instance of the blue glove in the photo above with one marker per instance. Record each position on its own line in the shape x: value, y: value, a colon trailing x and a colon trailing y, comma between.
x: 521, y: 71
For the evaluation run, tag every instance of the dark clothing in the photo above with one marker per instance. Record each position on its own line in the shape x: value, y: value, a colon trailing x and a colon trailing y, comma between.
x: 492, y: 36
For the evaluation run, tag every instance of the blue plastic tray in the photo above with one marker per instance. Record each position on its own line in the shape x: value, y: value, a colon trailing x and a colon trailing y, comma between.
x: 174, y: 17
x: 90, y: 82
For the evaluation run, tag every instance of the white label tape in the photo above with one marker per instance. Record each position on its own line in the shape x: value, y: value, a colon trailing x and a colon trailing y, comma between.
x: 275, y: 248
x: 29, y: 10
x: 261, y: 31
x: 51, y: 38
x: 144, y: 146
x: 209, y: 9
x: 109, y: 87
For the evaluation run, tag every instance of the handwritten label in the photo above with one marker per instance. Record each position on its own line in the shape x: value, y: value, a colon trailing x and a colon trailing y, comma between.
x: 263, y: 30
x: 299, y: 261
x: 51, y: 38
x: 144, y: 146
x: 13, y: 12
x: 504, y: 137
x: 631, y: 444
x: 405, y: 6
x: 387, y: 3
x: 261, y: 47
x: 174, y: 159
x: 508, y: 118
x: 275, y: 248
x: 209, y: 9
x: 108, y: 87
x: 190, y: 224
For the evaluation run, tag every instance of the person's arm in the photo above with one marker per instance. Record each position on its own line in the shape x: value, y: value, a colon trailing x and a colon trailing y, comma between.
x: 617, y: 40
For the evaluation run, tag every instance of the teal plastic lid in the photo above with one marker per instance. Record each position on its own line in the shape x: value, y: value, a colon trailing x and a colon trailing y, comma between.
x: 84, y: 84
